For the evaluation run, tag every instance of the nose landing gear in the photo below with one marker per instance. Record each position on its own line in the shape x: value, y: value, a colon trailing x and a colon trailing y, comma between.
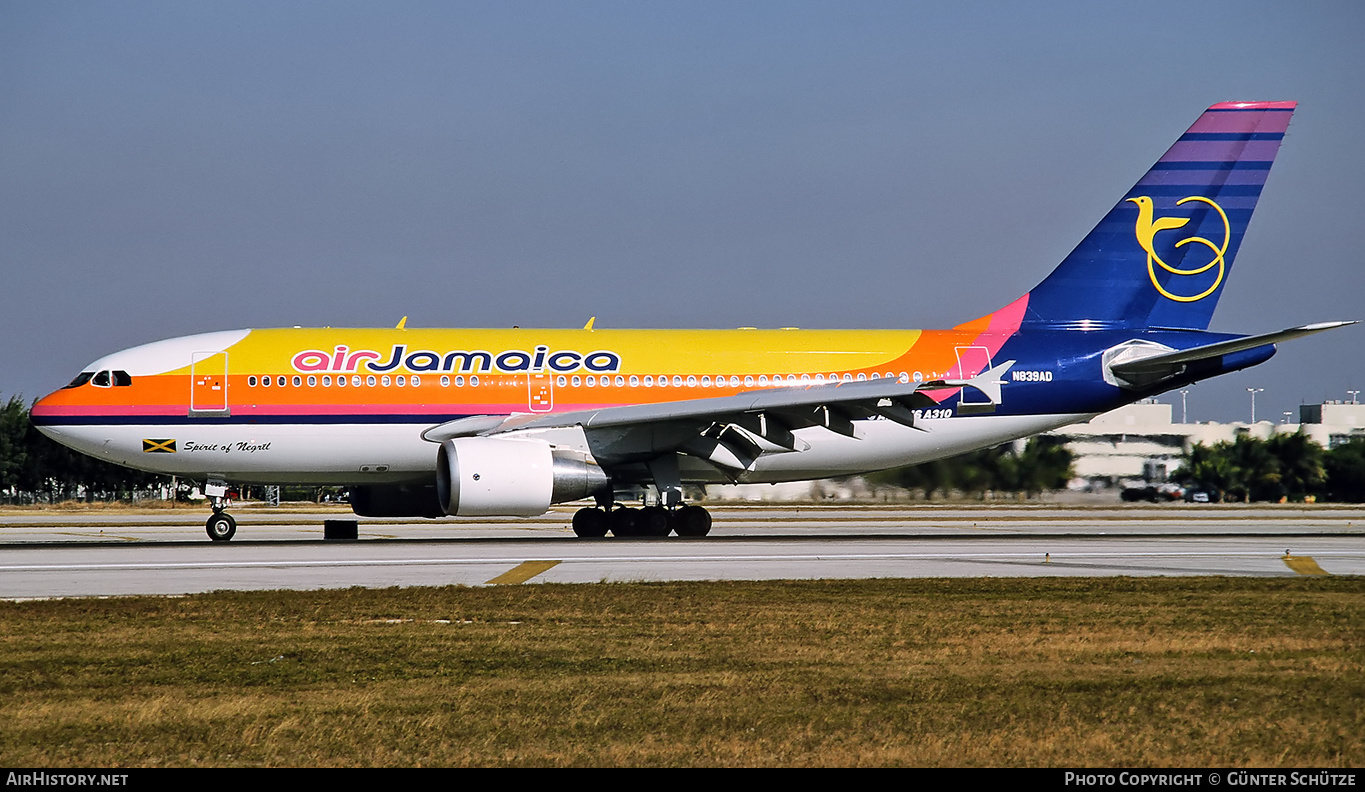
x: 220, y: 527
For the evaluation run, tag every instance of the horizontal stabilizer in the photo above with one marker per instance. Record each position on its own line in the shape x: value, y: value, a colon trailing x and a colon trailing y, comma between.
x: 1173, y: 362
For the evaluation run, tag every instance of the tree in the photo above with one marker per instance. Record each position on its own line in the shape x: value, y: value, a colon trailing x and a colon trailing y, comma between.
x: 1287, y: 466
x: 13, y: 448
x: 1301, y: 471
x: 1044, y: 464
x: 1344, y: 467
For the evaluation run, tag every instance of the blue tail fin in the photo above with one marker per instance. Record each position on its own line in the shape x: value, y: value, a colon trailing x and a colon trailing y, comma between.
x: 1162, y: 255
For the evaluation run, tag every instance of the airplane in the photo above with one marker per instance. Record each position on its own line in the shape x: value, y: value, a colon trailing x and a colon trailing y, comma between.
x: 437, y: 422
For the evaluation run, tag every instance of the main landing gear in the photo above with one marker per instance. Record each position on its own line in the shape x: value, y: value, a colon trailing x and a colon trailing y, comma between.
x: 621, y: 520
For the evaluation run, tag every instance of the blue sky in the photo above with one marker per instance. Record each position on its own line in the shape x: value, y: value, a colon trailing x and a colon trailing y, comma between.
x: 180, y: 167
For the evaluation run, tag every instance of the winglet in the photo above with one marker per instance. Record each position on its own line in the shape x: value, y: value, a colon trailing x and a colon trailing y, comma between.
x: 588, y: 326
x: 402, y: 324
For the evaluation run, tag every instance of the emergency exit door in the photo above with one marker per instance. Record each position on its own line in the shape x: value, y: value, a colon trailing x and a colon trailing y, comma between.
x: 208, y: 383
x: 540, y: 396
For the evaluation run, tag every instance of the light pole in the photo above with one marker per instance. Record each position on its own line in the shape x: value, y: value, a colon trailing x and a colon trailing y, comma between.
x: 1184, y: 413
x: 1286, y: 417
x: 1354, y: 394
x: 1253, y: 392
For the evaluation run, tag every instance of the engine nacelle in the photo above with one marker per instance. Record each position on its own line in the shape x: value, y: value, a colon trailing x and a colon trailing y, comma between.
x: 496, y: 476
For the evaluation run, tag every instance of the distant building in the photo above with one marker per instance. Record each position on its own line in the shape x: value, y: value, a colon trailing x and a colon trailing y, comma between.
x: 1140, y: 441
x: 1332, y: 423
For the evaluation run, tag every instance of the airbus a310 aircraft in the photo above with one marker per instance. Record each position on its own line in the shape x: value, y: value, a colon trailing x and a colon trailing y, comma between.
x: 506, y: 422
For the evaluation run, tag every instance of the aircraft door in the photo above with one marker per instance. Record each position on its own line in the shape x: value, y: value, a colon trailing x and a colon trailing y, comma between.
x: 540, y: 396
x: 208, y: 383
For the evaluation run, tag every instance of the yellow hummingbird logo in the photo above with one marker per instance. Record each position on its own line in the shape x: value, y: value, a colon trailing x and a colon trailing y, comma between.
x: 1148, y: 226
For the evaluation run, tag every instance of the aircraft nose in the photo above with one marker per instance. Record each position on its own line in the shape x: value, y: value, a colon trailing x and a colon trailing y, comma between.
x: 47, y: 413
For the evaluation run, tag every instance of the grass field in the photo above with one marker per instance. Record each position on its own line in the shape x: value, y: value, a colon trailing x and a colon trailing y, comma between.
x: 1076, y: 672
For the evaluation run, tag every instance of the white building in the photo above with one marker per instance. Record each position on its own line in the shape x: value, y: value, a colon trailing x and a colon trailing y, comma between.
x: 1140, y: 441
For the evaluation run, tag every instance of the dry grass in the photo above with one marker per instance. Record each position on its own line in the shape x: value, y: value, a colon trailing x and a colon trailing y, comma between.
x: 917, y: 672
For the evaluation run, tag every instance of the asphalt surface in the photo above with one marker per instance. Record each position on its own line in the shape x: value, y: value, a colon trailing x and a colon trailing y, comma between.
x: 56, y: 554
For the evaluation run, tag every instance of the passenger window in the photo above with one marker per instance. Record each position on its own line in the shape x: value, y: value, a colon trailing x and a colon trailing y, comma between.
x: 297, y: 381
x: 251, y: 381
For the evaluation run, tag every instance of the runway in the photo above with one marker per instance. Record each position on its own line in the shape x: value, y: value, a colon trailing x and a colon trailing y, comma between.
x: 104, y: 554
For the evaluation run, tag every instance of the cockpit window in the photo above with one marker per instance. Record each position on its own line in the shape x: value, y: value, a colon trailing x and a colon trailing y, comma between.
x: 80, y: 380
x: 110, y: 379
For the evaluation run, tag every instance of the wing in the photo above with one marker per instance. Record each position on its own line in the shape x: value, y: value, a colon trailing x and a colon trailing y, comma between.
x: 731, y: 432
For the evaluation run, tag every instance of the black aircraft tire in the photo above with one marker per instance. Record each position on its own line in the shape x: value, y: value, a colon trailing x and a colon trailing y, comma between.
x: 653, y: 521
x: 624, y: 521
x: 221, y: 527
x: 692, y: 521
x: 590, y: 523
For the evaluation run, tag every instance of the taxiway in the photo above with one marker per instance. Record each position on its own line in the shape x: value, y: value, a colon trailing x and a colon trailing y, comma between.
x: 54, y: 555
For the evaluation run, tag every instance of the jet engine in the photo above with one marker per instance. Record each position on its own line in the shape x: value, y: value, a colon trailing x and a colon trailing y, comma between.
x: 487, y: 476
